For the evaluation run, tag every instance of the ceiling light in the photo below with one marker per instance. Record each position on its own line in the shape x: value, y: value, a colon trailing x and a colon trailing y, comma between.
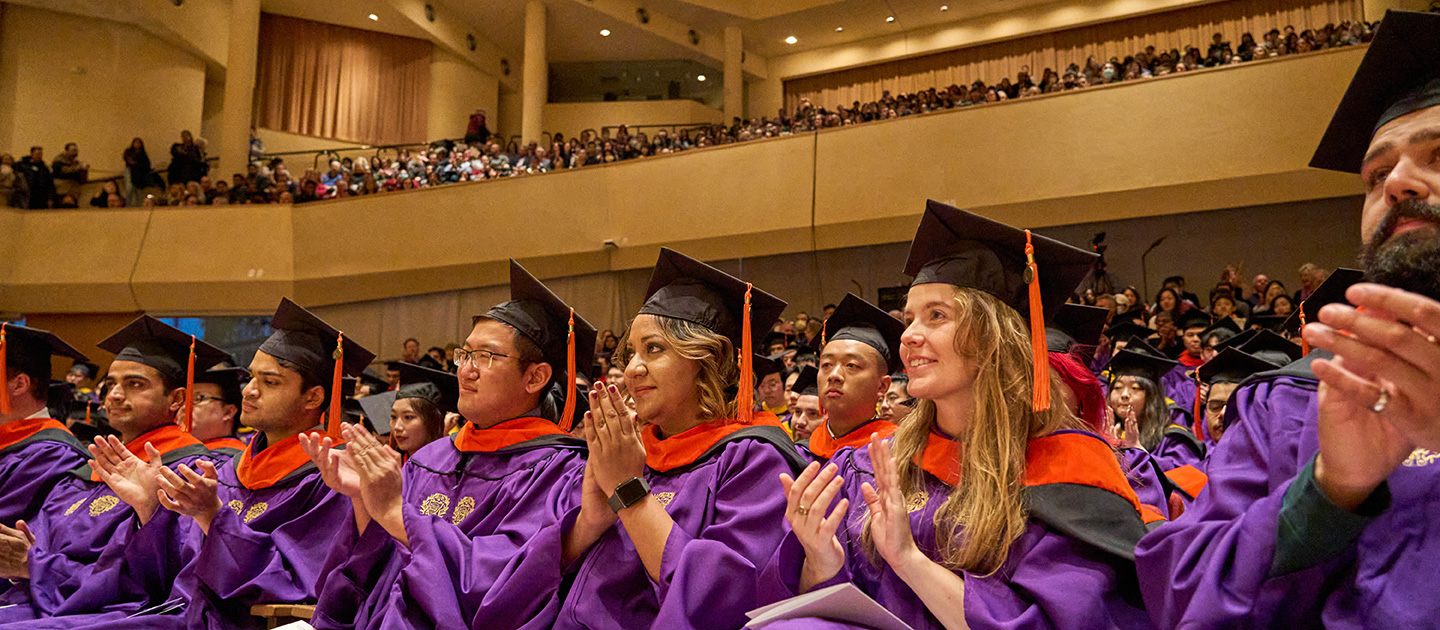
x: 944, y: 7
x: 374, y: 17
x: 791, y: 39
x: 604, y: 32
x: 890, y: 18
x: 700, y: 78
x: 839, y: 29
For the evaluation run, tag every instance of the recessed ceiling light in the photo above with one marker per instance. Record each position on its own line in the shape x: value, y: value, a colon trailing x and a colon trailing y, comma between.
x: 374, y: 17
x: 944, y: 7
x: 700, y: 78
x: 890, y: 19
x: 604, y: 32
x: 791, y: 39
x: 839, y: 29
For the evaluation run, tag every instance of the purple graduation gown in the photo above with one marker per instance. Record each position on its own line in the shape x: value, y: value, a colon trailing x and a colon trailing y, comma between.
x: 484, y: 532
x: 1216, y: 565
x: 1049, y: 580
x: 38, y: 457
x: 728, y: 511
x: 80, y: 519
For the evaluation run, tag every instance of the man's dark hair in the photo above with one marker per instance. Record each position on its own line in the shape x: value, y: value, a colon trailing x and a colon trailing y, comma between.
x: 35, y: 367
x: 307, y: 381
x: 36, y: 148
x: 417, y: 341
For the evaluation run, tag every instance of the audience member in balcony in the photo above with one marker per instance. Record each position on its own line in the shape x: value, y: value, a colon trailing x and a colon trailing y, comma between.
x: 37, y: 179
x: 332, y: 176
x: 139, y: 174
x: 193, y: 189
x: 102, y: 197
x: 207, y: 188
x: 187, y: 160
x: 68, y: 171
x: 13, y: 189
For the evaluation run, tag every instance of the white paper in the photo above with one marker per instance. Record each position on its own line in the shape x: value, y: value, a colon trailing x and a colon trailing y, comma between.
x: 842, y: 602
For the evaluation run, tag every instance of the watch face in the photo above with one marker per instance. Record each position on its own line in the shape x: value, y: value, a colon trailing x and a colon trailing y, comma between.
x: 632, y: 491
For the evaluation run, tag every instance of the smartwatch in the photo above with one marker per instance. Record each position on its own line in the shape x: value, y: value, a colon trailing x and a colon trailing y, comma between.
x: 629, y: 493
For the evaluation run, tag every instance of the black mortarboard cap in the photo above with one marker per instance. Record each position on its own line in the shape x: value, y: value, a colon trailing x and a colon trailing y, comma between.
x: 543, y: 318
x: 1193, y: 318
x: 230, y: 379
x: 1400, y: 74
x: 1075, y: 324
x: 1131, y: 363
x: 29, y: 349
x: 1330, y: 291
x: 858, y: 320
x: 1138, y: 344
x: 375, y: 381
x: 684, y: 288
x: 377, y: 409
x: 808, y: 383
x: 1232, y: 366
x: 439, y: 387
x: 1126, y: 329
x: 956, y: 247
x: 1240, y: 338
x: 774, y: 337
x: 1224, y: 323
x: 1268, y: 322
x: 91, y: 370
x: 765, y: 366
x: 1130, y: 316
x: 308, y: 343
x: 149, y: 341
x: 1271, y: 347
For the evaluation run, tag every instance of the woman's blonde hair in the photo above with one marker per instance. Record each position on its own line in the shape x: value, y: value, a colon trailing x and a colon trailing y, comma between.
x: 719, y: 374
x: 985, y: 514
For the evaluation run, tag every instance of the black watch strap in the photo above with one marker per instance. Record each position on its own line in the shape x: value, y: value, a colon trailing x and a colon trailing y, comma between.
x: 629, y: 493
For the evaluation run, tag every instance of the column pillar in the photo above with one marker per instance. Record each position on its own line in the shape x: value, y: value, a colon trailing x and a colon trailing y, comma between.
x: 734, y: 76
x: 237, y: 107
x: 535, y: 85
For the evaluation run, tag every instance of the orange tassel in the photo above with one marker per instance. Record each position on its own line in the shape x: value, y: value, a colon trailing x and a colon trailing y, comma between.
x: 4, y: 375
x: 1040, y: 397
x: 745, y: 399
x: 1304, y: 345
x: 823, y: 326
x: 1197, y: 421
x: 187, y: 421
x: 333, y: 427
x: 88, y: 405
x: 567, y: 417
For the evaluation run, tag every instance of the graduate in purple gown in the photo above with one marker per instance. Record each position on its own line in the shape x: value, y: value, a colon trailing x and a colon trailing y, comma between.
x: 1135, y: 390
x: 217, y: 410
x: 255, y: 529
x: 467, y: 535
x: 678, y: 511
x: 1321, y: 508
x: 146, y: 402
x: 35, y: 451
x: 1049, y: 521
x: 862, y: 349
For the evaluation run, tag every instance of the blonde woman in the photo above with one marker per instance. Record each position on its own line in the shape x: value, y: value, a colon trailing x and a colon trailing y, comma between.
x: 677, y: 518
x: 1035, y: 526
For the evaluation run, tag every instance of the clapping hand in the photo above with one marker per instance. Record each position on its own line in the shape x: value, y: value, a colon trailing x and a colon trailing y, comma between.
x: 379, y: 470
x: 889, y: 518
x: 191, y: 494
x: 807, y: 498
x: 15, y: 544
x: 617, y: 452
x: 132, y: 479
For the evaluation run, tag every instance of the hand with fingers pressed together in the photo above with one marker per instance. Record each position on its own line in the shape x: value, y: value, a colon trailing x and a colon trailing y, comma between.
x: 889, y: 518
x: 617, y: 453
x: 15, y: 544
x: 1130, y: 435
x: 132, y: 479
x: 1377, y: 396
x: 807, y: 508
x: 378, y: 469
x: 191, y: 494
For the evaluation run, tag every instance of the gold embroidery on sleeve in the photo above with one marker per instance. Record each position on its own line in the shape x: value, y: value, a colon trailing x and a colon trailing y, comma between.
x: 462, y: 510
x: 255, y: 511
x: 74, y: 506
x: 103, y: 504
x: 435, y: 505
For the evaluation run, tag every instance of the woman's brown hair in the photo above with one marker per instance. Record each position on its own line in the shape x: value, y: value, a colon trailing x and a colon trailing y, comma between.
x: 985, y: 514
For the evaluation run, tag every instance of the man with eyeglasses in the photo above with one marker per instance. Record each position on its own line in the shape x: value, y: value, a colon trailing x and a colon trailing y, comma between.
x: 450, y: 546
x: 83, y: 516
x: 217, y: 410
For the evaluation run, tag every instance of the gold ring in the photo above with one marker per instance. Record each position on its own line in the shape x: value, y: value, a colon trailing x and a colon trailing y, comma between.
x: 1381, y: 402
x: 802, y: 511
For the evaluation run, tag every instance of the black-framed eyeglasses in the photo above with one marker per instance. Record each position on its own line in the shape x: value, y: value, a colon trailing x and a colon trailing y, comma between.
x: 461, y: 356
x: 202, y: 398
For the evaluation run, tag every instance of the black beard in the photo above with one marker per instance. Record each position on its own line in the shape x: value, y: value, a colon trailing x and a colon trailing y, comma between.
x: 1409, y: 261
